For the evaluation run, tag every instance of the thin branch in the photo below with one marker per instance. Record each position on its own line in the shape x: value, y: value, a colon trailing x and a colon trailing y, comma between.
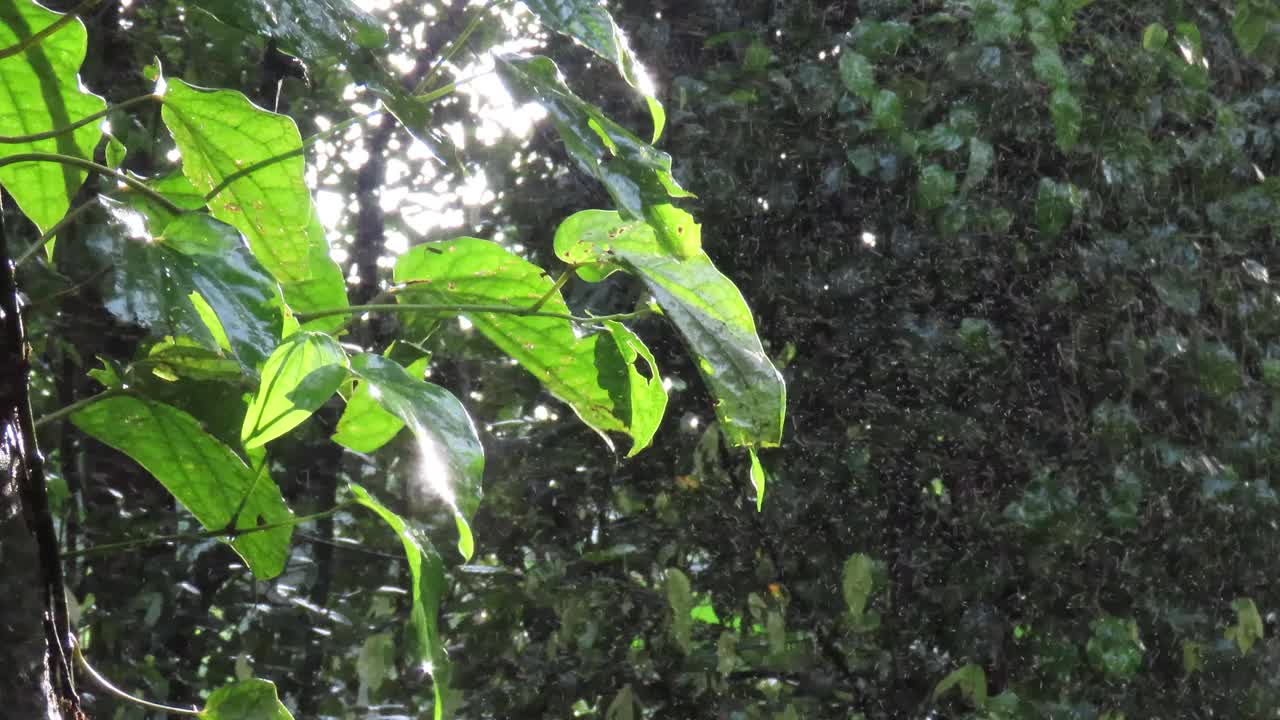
x: 105, y: 684
x: 225, y: 534
x: 83, y: 164
x: 36, y: 137
x: 78, y: 405
x: 455, y: 46
x: 555, y: 288
x: 52, y: 232
x: 50, y: 29
x: 466, y: 309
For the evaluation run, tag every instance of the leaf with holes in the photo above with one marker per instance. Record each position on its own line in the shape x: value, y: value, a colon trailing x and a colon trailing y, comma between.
x: 707, y: 308
x: 637, y: 176
x: 590, y: 373
x: 300, y: 376
x: 210, y: 480
x: 450, y: 457
x: 40, y: 91
x: 427, y: 572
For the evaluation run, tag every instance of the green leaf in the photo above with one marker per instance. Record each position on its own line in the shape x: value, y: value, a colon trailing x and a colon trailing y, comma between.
x: 115, y: 152
x: 858, y: 75
x: 182, y: 357
x: 886, y: 111
x: 1253, y: 21
x: 1248, y: 628
x: 40, y: 91
x: 590, y: 23
x: 856, y: 584
x: 595, y: 374
x: 299, y: 377
x: 312, y: 29
x: 204, y: 475
x: 970, y: 679
x: 707, y: 308
x: 623, y: 706
x: 219, y: 132
x: 757, y: 478
x: 981, y: 158
x: 247, y: 700
x: 637, y: 176
x: 648, y: 396
x: 365, y: 426
x: 1055, y: 203
x: 427, y: 572
x: 1068, y: 117
x: 450, y: 457
x: 935, y: 187
x: 1115, y: 648
x: 193, y: 278
x: 1050, y: 69
x: 1154, y: 37
x: 680, y: 598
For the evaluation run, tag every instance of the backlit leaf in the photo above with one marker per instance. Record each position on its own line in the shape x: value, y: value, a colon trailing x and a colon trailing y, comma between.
x: 970, y: 679
x: 856, y: 584
x: 204, y: 475
x: 40, y: 91
x: 589, y: 373
x: 637, y: 176
x: 1248, y: 628
x: 704, y: 305
x: 299, y: 377
x: 365, y: 426
x: 246, y: 700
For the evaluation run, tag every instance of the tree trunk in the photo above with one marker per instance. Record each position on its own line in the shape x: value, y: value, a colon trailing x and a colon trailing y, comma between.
x: 35, y: 679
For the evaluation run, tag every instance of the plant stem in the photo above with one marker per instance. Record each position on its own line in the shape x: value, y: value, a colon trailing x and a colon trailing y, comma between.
x: 465, y: 309
x: 449, y: 89
x: 228, y: 533
x: 78, y: 405
x: 52, y: 232
x: 308, y: 142
x: 112, y: 689
x: 555, y: 288
x: 447, y: 55
x: 95, y: 167
x: 36, y: 137
x: 52, y: 28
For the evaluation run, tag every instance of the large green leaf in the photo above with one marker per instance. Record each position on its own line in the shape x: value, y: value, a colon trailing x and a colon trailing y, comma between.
x: 248, y: 700
x: 637, y: 175
x: 450, y: 457
x: 590, y: 373
x: 707, y: 308
x: 204, y: 475
x: 40, y: 91
x: 219, y: 133
x: 165, y: 281
x: 427, y: 572
x: 300, y: 376
x: 365, y: 426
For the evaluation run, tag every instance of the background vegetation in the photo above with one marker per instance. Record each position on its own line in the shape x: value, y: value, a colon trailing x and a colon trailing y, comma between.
x: 1011, y: 256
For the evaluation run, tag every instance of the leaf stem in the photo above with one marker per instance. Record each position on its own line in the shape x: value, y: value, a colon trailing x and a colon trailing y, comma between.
x: 52, y: 232
x: 555, y: 288
x: 78, y: 405
x: 105, y: 684
x: 225, y: 533
x: 308, y: 142
x: 132, y: 182
x: 36, y: 137
x: 49, y: 29
x: 465, y: 309
x: 474, y: 24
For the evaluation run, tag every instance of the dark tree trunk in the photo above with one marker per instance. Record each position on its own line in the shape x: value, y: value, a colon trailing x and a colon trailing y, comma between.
x: 35, y: 678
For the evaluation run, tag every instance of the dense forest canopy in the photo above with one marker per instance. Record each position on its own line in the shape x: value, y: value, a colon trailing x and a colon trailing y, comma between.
x: 758, y: 360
